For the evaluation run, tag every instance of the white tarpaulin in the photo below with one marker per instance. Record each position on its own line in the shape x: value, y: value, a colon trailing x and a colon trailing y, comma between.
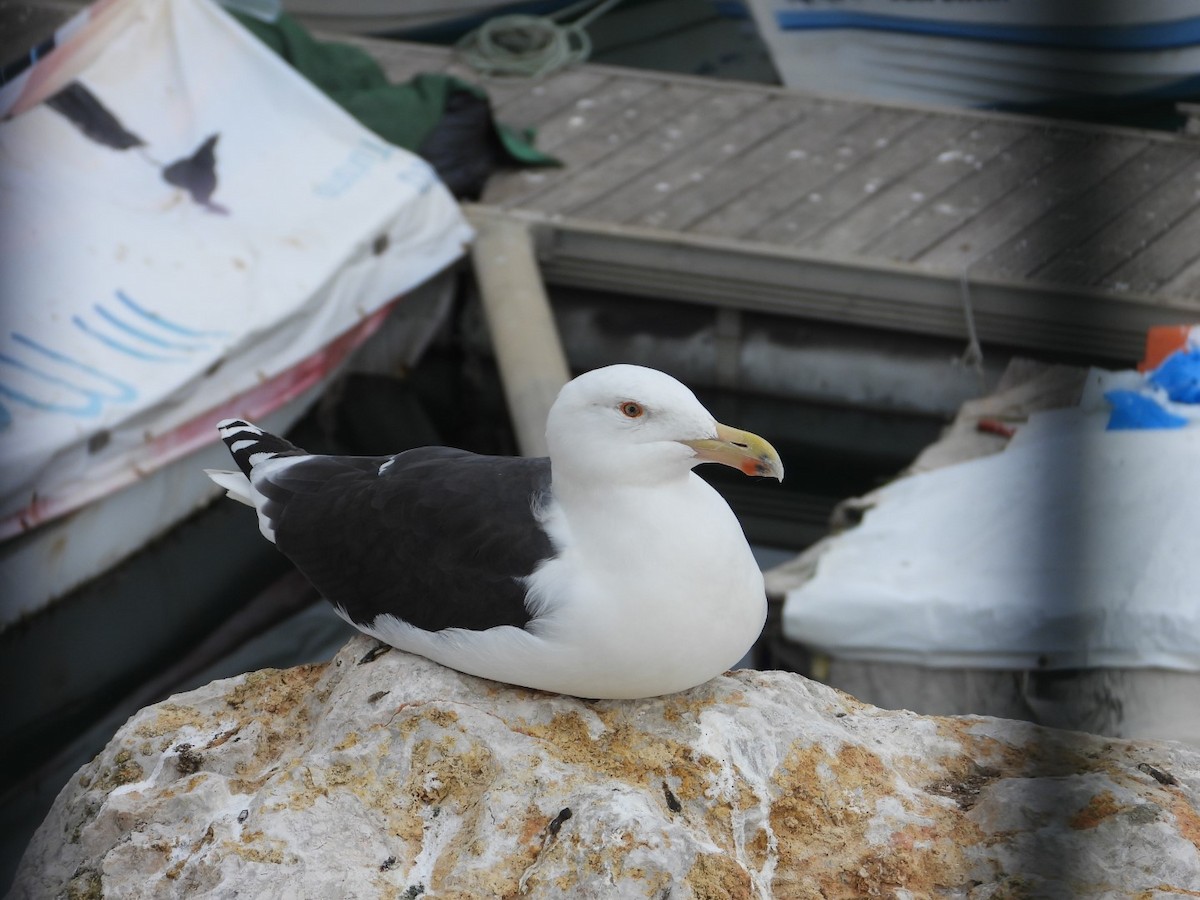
x: 185, y: 221
x: 1074, y: 548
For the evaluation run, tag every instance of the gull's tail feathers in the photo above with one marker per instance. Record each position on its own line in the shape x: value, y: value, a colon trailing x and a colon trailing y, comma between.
x: 253, y: 450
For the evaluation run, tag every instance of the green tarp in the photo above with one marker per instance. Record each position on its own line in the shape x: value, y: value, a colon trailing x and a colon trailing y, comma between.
x: 403, y: 114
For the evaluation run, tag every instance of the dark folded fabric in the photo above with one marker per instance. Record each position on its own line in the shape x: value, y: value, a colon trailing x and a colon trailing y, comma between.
x: 446, y: 120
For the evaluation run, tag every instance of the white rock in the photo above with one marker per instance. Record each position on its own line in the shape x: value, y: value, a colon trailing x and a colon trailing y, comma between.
x: 395, y: 777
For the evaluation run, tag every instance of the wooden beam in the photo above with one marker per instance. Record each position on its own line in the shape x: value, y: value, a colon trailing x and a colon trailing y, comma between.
x: 532, y: 364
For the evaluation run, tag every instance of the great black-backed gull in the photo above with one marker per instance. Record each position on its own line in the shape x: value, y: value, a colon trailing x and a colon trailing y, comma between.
x: 608, y: 570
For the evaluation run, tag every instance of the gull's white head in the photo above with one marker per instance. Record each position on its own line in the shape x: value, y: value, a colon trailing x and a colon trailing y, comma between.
x: 633, y: 425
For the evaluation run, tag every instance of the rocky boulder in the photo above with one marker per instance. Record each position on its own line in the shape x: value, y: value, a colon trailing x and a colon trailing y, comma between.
x: 381, y: 774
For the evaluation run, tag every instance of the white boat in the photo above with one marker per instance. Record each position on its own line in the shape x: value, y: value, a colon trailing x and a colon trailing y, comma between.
x: 999, y: 53
x: 197, y: 236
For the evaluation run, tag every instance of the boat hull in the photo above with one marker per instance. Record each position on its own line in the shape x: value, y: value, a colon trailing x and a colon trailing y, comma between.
x: 1012, y: 53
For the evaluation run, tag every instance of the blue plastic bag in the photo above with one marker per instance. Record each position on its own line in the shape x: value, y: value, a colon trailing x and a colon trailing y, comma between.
x: 1179, y: 376
x: 1132, y: 410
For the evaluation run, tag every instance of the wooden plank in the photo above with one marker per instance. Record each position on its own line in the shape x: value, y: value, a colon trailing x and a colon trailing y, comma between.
x: 582, y: 117
x: 571, y: 135
x: 1137, y: 227
x: 893, y: 206
x: 529, y: 355
x: 1183, y: 290
x: 857, y: 186
x: 761, y: 159
x: 681, y: 117
x: 816, y: 158
x: 1071, y: 223
x: 969, y: 196
x: 592, y: 111
x: 582, y: 152
x: 643, y: 198
x: 537, y: 101
x: 505, y: 187
x: 731, y: 273
x: 1163, y: 258
x: 1009, y: 200
x: 1016, y: 211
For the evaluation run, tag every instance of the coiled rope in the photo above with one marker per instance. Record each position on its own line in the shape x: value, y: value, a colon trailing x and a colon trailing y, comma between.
x: 532, y: 46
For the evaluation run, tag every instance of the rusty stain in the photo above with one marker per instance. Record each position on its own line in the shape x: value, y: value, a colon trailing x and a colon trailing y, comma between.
x: 1100, y: 807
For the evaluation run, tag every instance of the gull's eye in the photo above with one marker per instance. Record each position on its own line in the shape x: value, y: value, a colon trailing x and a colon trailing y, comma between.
x: 632, y: 409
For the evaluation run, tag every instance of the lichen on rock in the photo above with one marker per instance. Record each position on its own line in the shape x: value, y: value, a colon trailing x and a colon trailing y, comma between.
x: 400, y: 778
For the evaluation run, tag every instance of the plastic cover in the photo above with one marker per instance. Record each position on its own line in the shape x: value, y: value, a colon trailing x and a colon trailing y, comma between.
x: 185, y: 220
x: 1073, y: 548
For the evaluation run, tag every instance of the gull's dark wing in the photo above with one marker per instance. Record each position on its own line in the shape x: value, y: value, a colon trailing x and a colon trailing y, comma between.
x: 439, y: 538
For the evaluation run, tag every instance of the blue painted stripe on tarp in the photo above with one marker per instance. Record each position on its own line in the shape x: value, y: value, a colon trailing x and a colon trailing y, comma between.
x: 113, y: 344
x: 1142, y: 36
x: 91, y: 405
x: 126, y: 392
x: 141, y: 335
x: 94, y: 399
x: 163, y: 322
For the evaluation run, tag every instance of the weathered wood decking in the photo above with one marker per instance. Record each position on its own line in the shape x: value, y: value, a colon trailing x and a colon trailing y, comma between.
x: 1063, y: 237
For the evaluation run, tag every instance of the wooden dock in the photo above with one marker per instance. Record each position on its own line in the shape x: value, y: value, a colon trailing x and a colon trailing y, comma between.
x: 1059, y: 237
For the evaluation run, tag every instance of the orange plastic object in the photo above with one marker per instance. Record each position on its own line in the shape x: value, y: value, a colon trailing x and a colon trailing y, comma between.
x: 1161, y: 342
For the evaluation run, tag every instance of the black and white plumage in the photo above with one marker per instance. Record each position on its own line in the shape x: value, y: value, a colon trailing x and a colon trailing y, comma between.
x: 608, y: 570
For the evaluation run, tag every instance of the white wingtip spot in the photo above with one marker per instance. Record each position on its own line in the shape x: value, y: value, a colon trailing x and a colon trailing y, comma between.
x: 229, y: 427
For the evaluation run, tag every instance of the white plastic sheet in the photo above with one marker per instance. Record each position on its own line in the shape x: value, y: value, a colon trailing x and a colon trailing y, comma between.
x: 141, y: 300
x: 1074, y: 548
